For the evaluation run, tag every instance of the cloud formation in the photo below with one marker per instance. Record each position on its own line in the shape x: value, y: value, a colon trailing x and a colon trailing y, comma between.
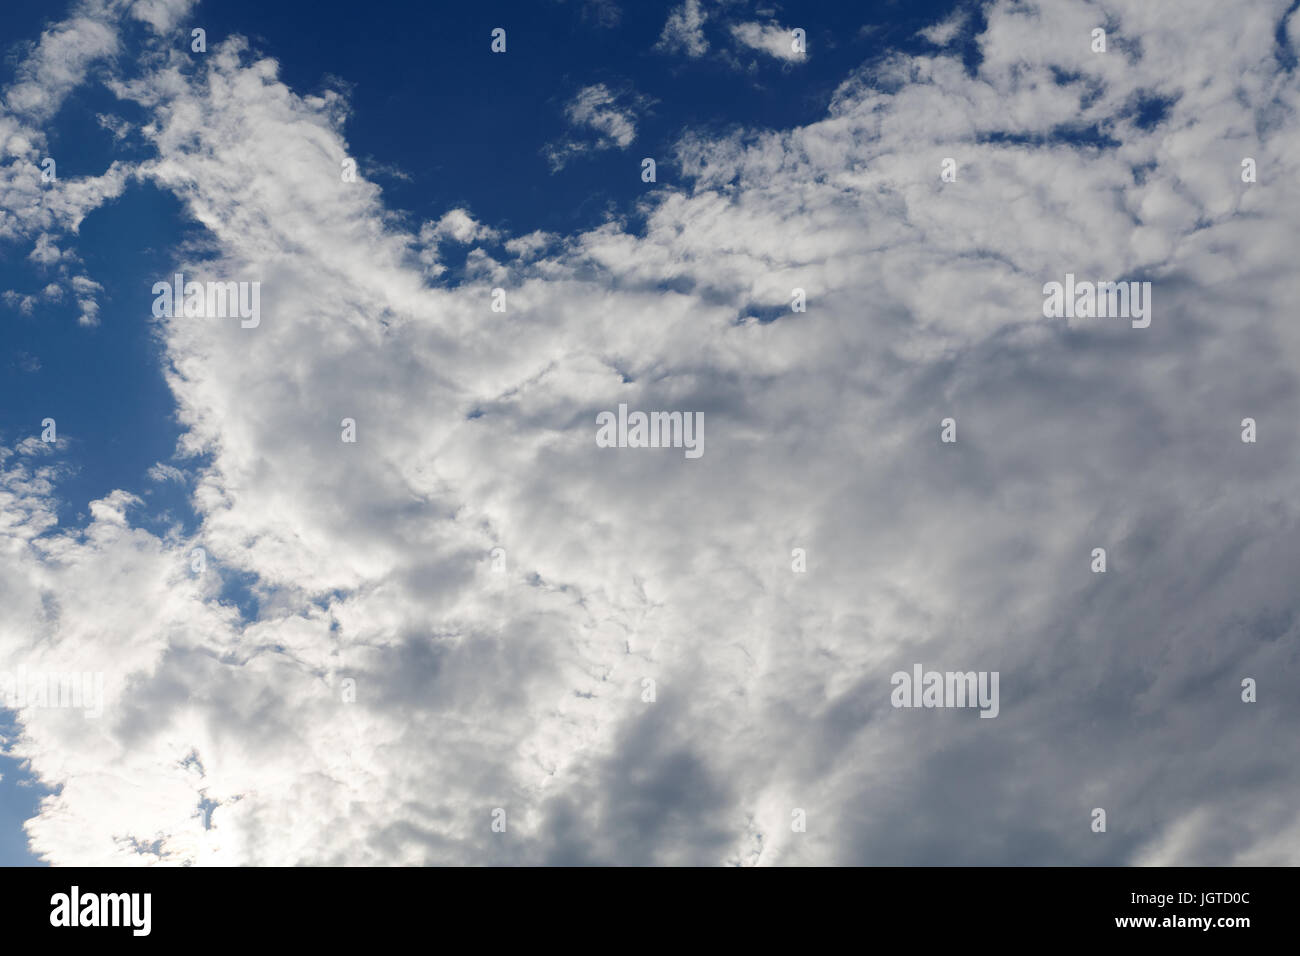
x: 460, y: 611
x: 770, y: 38
x: 947, y: 29
x: 601, y: 119
x: 683, y: 31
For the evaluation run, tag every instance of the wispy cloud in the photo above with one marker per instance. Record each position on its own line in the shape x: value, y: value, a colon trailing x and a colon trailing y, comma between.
x: 601, y: 119
x: 945, y: 31
x: 684, y: 30
x: 770, y: 38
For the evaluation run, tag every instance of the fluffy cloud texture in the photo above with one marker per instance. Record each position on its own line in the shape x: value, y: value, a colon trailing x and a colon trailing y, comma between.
x: 684, y: 30
x: 770, y: 38
x: 601, y: 119
x: 684, y: 34
x: 515, y: 679
x: 30, y: 209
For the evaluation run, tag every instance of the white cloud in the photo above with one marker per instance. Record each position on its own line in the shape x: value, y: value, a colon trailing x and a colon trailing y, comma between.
x: 45, y: 252
x: 59, y: 62
x: 596, y: 107
x: 459, y: 226
x: 683, y: 32
x: 770, y: 38
x: 162, y: 472
x: 16, y: 300
x: 947, y: 29
x: 522, y: 688
x: 456, y: 225
x: 119, y: 127
x: 607, y: 118
x: 162, y: 15
x: 87, y: 291
x: 30, y: 207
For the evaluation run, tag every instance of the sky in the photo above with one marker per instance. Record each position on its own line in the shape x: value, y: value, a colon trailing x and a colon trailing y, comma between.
x: 462, y: 630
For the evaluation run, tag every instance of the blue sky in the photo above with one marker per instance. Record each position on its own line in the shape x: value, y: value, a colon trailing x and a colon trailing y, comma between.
x: 520, y: 686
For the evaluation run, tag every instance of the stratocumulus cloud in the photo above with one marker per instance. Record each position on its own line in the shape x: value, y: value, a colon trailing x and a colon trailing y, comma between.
x: 465, y: 604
